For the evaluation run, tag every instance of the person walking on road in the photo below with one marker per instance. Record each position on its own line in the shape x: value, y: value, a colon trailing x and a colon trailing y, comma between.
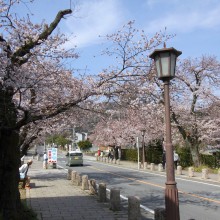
x: 175, y: 158
x: 45, y: 159
x: 164, y: 159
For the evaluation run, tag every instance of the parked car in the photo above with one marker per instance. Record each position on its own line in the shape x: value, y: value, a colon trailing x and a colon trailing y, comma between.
x: 74, y: 158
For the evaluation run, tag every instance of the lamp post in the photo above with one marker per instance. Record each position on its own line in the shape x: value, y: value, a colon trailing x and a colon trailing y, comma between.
x: 165, y: 61
x: 143, y: 148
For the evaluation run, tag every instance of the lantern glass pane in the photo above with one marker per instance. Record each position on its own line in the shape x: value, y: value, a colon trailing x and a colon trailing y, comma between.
x: 157, y: 62
x: 165, y: 57
x: 172, y: 64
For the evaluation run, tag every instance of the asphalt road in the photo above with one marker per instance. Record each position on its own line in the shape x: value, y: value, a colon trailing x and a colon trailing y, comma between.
x: 198, y: 200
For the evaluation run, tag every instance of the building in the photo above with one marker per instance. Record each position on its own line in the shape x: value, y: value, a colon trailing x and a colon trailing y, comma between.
x: 80, y: 136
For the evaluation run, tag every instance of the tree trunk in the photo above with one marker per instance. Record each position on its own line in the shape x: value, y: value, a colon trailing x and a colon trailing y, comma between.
x: 194, y: 149
x: 9, y: 159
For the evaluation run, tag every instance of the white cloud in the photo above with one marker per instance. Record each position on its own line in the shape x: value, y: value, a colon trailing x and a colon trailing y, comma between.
x: 94, y: 18
x: 187, y: 18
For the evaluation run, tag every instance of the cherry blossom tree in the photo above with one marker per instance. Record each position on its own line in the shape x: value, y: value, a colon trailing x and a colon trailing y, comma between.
x: 193, y: 94
x: 30, y: 67
x: 32, y: 79
x: 196, y: 92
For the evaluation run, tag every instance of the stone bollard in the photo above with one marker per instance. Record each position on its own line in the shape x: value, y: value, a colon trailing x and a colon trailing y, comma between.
x: 85, y: 182
x: 38, y: 157
x: 134, y: 212
x: 152, y: 166
x: 205, y: 173
x: 115, y: 161
x: 102, y: 192
x: 105, y: 159
x: 92, y: 187
x: 119, y: 161
x: 179, y: 170
x: 160, y: 167
x: 97, y: 158
x: 78, y: 179
x: 218, y: 175
x: 159, y: 214
x: 115, y: 200
x: 68, y: 177
x: 191, y: 172
x: 73, y: 177
x: 145, y: 165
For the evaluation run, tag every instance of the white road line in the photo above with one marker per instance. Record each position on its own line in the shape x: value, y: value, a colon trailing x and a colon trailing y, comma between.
x: 121, y: 196
x: 157, y: 174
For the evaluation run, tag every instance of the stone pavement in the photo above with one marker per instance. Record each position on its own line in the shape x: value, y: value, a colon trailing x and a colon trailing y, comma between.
x: 52, y: 196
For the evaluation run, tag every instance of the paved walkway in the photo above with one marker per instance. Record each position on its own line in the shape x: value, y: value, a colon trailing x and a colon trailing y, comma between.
x: 52, y: 196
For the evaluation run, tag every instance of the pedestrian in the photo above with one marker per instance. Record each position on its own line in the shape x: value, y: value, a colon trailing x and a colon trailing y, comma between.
x: 164, y: 159
x: 112, y: 154
x: 109, y: 154
x: 119, y: 153
x: 23, y: 172
x: 45, y: 160
x: 175, y: 158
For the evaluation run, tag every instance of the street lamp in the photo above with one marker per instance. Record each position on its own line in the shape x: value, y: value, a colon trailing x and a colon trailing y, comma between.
x: 143, y: 148
x: 165, y: 61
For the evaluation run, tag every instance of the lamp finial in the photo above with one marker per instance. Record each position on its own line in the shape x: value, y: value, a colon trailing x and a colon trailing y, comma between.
x: 164, y: 45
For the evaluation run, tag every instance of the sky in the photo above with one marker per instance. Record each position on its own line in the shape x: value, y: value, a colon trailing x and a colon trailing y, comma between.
x: 195, y: 23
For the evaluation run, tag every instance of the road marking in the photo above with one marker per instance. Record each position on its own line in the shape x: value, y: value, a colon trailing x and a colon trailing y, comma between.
x: 123, y: 197
x: 141, y: 206
x: 157, y: 185
x: 129, y: 178
x: 157, y: 174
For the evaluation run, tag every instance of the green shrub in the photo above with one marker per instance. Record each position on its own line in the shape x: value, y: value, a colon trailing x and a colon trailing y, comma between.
x: 185, y: 156
x: 85, y: 145
x: 154, y: 152
x: 129, y: 154
x: 208, y: 160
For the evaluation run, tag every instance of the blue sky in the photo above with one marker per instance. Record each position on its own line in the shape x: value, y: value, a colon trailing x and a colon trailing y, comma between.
x: 196, y: 24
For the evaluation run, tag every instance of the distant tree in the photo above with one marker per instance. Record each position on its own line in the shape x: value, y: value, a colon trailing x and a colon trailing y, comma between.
x: 85, y: 145
x: 58, y: 139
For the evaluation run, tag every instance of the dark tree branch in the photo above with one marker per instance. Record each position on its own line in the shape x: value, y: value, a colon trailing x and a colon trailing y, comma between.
x: 17, y: 56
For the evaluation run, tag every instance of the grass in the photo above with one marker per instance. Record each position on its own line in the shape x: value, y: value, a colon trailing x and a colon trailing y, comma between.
x: 26, y: 212
x: 211, y: 170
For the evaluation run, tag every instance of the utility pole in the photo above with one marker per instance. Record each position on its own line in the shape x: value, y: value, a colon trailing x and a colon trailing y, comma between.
x: 74, y: 139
